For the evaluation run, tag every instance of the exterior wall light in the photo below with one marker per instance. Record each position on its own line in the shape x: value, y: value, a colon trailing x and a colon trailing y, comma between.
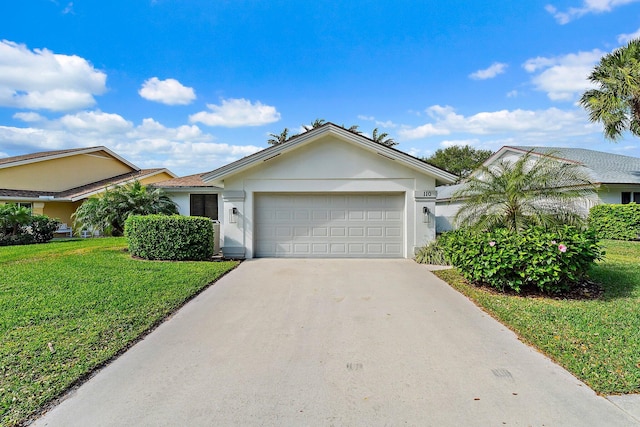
x: 426, y: 215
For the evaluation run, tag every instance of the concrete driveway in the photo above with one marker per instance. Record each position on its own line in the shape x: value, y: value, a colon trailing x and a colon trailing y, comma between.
x: 333, y: 343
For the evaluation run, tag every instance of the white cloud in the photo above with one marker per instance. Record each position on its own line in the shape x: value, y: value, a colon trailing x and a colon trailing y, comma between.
x: 460, y: 142
x: 148, y: 144
x: 68, y: 9
x: 563, y: 77
x: 488, y: 73
x: 40, y: 79
x: 588, y: 6
x: 513, y: 94
x: 423, y: 131
x: 626, y: 38
x: 379, y: 123
x: 527, y: 125
x: 169, y: 91
x: 96, y: 122
x: 237, y: 113
x: 29, y: 117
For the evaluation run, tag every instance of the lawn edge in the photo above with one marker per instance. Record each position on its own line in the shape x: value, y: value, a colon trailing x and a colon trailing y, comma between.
x: 65, y: 394
x: 461, y: 289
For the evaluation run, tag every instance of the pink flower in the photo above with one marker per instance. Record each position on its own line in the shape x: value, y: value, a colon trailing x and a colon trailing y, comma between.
x: 492, y: 243
x: 562, y: 248
x: 553, y: 242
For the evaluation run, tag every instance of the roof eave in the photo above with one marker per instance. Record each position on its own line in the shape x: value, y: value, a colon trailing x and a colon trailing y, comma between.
x: 87, y: 150
x: 220, y: 174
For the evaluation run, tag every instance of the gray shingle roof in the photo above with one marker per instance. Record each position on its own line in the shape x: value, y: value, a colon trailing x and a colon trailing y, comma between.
x: 605, y: 168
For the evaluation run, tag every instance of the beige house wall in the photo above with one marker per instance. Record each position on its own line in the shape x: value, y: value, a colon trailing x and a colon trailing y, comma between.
x: 156, y: 178
x: 61, y: 210
x: 63, y: 173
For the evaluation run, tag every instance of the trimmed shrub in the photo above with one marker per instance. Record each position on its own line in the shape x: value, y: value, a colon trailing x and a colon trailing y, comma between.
x: 42, y: 228
x: 16, y: 239
x: 619, y: 222
x: 433, y: 253
x: 174, y: 238
x: 551, y: 261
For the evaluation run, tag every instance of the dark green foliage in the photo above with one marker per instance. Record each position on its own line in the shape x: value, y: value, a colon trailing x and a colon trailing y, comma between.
x: 460, y: 161
x: 16, y: 239
x: 42, y: 228
x: 175, y: 238
x: 12, y: 218
x: 19, y: 227
x: 619, y: 222
x: 551, y: 261
x: 433, y: 253
x: 615, y: 101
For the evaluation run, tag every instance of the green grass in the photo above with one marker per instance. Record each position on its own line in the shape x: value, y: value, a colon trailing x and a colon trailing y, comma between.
x: 597, y: 340
x: 90, y: 300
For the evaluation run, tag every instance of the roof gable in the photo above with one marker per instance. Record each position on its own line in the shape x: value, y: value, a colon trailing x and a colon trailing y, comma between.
x: 314, y: 135
x: 604, y: 168
x: 42, y: 156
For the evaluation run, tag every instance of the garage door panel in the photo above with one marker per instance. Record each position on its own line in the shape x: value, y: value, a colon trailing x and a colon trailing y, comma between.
x: 301, y: 231
x: 320, y: 232
x: 393, y: 232
x: 302, y: 248
x: 338, y: 231
x: 356, y: 231
x: 320, y: 248
x: 336, y: 225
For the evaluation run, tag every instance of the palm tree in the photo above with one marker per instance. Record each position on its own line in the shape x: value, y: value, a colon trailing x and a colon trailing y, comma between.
x: 529, y: 191
x: 352, y: 129
x: 616, y: 101
x: 277, y: 139
x: 382, y: 138
x: 13, y: 217
x: 314, y: 124
x: 109, y: 212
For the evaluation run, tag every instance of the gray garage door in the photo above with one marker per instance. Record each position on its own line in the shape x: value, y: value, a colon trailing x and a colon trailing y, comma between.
x: 329, y: 225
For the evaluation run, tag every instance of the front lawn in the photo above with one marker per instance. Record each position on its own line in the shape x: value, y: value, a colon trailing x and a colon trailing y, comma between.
x: 67, y: 307
x: 597, y: 340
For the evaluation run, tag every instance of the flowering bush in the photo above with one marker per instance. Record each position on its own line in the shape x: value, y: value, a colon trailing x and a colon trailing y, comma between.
x: 551, y: 261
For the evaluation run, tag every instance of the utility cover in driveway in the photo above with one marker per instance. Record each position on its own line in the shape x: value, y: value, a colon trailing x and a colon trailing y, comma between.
x: 352, y: 225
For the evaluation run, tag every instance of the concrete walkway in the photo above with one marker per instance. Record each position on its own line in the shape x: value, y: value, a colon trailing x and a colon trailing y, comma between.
x: 333, y: 343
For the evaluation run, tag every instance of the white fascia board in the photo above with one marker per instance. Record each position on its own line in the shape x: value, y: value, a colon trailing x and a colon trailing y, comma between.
x: 128, y: 181
x: 71, y: 153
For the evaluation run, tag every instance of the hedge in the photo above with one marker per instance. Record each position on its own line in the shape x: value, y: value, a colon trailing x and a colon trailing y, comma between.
x: 174, y: 238
x: 551, y: 261
x: 619, y: 222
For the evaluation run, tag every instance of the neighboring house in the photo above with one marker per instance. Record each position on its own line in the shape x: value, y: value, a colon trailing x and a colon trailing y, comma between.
x: 325, y: 193
x: 55, y: 183
x: 617, y: 177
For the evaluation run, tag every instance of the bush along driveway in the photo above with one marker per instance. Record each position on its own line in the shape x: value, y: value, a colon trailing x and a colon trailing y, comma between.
x: 67, y: 307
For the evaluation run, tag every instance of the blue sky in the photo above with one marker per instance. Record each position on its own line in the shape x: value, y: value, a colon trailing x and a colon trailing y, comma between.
x: 194, y: 84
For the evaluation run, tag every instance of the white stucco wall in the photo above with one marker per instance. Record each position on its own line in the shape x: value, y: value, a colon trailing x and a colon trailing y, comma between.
x: 327, y: 165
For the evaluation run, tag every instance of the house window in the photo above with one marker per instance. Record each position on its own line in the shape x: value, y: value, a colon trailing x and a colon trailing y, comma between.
x: 26, y: 205
x: 204, y: 205
x: 636, y: 197
x: 626, y: 197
